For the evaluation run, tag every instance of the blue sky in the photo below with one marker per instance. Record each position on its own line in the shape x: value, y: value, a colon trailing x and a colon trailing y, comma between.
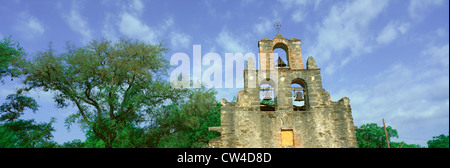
x: 391, y: 58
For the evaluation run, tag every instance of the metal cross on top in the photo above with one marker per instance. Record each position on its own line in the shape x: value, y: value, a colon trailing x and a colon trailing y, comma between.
x: 277, y: 26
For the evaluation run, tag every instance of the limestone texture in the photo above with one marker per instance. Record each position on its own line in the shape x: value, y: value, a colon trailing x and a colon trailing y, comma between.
x: 319, y: 123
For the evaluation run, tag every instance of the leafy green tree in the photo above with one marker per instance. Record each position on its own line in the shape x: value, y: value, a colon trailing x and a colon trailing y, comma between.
x: 76, y: 143
x: 15, y: 105
x: 440, y: 141
x: 28, y: 133
x: 112, y: 84
x: 186, y: 124
x: 15, y: 132
x: 23, y: 133
x: 10, y: 52
x: 373, y: 136
x: 404, y: 145
x: 7, y: 138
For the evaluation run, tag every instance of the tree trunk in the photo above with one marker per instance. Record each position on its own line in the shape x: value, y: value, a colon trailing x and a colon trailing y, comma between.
x: 108, y: 144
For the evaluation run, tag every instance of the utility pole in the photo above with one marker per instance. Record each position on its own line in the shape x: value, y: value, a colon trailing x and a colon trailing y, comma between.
x: 385, y: 132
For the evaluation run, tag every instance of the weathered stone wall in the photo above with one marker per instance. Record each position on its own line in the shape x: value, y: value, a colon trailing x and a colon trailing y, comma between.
x: 291, y: 47
x: 323, y: 123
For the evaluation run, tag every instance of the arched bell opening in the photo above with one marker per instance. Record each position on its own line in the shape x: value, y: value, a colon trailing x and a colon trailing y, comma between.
x: 267, y: 95
x: 281, y: 56
x: 299, y: 95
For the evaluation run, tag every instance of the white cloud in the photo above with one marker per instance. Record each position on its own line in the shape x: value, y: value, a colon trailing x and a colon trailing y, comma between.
x: 391, y: 31
x: 29, y: 26
x: 133, y: 27
x: 168, y: 23
x: 136, y: 6
x: 210, y: 7
x: 299, y: 15
x: 411, y: 97
x: 301, y: 8
x: 78, y: 23
x: 230, y: 43
x: 35, y: 26
x: 345, y: 29
x: 436, y: 55
x: 108, y: 29
x: 417, y: 8
x: 442, y: 32
x: 263, y: 27
x: 180, y: 40
x: 406, y: 101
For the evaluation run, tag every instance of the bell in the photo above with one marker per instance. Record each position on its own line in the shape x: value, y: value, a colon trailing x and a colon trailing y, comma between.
x: 280, y: 63
x: 299, y: 97
x: 267, y: 96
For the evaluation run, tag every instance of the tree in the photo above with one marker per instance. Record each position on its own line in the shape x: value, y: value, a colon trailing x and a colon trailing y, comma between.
x: 440, y: 141
x: 374, y: 136
x: 112, y: 84
x: 76, y: 143
x: 10, y: 52
x: 404, y: 145
x: 15, y: 105
x: 27, y: 134
x: 186, y: 124
x: 17, y: 132
x: 7, y: 138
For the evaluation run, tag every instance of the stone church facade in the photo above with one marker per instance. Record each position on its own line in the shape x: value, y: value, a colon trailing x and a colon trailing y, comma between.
x: 302, y: 114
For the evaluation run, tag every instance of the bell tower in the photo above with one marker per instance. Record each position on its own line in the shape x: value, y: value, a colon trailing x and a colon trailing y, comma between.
x: 291, y: 47
x: 283, y: 105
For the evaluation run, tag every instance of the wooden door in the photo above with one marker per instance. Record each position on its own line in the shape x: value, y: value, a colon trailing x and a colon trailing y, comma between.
x: 287, y: 138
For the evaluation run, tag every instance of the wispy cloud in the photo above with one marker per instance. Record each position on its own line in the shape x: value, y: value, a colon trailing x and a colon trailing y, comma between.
x: 391, y: 31
x: 437, y: 55
x: 300, y: 8
x: 264, y: 26
x: 417, y: 8
x: 344, y: 29
x: 109, y: 27
x: 231, y: 43
x: 180, y: 40
x: 29, y: 26
x: 411, y: 97
x: 133, y: 27
x: 136, y: 6
x: 78, y: 23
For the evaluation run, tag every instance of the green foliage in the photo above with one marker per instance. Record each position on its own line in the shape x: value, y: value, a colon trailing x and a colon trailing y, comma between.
x: 374, y: 136
x: 10, y: 52
x: 15, y: 105
x: 76, y: 143
x: 121, y: 98
x: 268, y: 102
x: 19, y: 133
x: 27, y: 134
x: 440, y: 141
x: 404, y: 145
x: 186, y: 124
x: 113, y: 84
x: 7, y: 138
